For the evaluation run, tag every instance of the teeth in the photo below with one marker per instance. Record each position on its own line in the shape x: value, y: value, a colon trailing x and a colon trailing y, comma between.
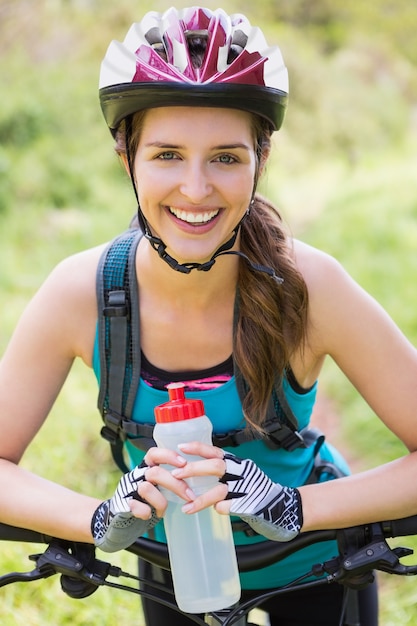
x: 193, y: 218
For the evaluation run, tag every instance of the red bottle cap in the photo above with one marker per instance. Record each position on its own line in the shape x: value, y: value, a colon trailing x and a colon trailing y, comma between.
x: 179, y: 407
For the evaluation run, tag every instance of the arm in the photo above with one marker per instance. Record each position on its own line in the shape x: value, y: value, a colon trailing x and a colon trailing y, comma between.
x: 347, y: 324
x: 386, y: 492
x: 379, y: 361
x: 56, y: 327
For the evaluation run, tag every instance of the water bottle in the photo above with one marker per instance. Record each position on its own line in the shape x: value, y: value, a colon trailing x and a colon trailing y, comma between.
x: 200, y: 545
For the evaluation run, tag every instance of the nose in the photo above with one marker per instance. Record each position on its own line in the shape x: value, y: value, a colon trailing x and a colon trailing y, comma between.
x: 196, y: 184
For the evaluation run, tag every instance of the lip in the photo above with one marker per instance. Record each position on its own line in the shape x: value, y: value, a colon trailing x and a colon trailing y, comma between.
x: 195, y: 226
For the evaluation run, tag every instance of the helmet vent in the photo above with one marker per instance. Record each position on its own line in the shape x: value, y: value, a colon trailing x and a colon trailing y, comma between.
x: 153, y: 36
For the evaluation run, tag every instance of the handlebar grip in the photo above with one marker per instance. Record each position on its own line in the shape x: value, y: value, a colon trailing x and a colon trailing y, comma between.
x: 400, y: 527
x: 12, y: 533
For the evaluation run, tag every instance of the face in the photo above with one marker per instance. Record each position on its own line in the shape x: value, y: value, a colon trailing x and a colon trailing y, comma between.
x: 195, y: 170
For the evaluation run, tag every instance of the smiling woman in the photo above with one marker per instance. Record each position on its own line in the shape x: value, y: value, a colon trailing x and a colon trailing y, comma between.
x: 230, y: 305
x: 219, y: 157
x: 194, y: 183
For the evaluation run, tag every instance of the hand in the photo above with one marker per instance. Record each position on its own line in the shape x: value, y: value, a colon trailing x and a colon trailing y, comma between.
x: 269, y: 508
x: 118, y: 522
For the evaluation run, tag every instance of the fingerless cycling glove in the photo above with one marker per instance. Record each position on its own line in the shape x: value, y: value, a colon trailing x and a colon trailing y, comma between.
x: 113, y: 525
x: 270, y: 509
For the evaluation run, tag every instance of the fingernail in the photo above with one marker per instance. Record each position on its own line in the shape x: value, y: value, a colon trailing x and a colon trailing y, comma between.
x: 190, y: 494
x: 181, y: 460
x: 187, y: 507
x: 182, y: 446
x: 176, y: 472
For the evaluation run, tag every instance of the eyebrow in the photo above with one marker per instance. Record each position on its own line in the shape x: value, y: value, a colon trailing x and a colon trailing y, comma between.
x: 169, y: 146
x: 233, y: 146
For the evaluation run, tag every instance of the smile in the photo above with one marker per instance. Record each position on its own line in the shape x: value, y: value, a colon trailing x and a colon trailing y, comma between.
x: 194, y: 218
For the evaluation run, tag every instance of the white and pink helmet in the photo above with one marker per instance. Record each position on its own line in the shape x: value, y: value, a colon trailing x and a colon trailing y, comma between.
x: 239, y: 70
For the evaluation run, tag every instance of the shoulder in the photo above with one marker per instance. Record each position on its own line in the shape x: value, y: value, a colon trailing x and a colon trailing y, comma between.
x: 65, y: 305
x: 85, y: 259
x: 314, y: 264
x: 344, y: 320
x: 325, y: 276
x: 336, y: 300
x: 74, y: 277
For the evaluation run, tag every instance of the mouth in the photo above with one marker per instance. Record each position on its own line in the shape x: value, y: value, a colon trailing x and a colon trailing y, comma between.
x: 196, y: 218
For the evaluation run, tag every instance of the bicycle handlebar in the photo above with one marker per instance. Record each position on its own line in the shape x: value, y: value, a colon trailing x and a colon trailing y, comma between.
x: 263, y: 553
x: 24, y: 535
x: 362, y: 549
x: 250, y: 557
x: 404, y: 527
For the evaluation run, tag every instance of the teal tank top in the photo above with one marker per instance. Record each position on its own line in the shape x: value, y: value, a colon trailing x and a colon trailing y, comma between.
x: 223, y: 407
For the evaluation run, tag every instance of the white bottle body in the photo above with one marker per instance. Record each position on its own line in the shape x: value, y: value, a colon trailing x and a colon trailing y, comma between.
x: 200, y: 545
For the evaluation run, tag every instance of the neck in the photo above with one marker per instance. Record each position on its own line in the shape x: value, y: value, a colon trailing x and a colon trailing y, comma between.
x: 197, y: 286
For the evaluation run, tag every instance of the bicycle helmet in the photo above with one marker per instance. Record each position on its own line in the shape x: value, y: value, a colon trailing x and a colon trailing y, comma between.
x: 154, y: 67
x: 196, y: 57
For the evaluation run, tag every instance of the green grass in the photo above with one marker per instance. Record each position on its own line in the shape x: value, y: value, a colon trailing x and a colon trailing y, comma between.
x: 357, y: 224
x: 345, y: 183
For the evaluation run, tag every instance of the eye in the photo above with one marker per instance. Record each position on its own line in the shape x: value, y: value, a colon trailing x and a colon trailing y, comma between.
x: 168, y: 155
x: 227, y: 159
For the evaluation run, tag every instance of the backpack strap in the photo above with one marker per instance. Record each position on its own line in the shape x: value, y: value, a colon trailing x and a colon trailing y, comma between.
x: 119, y: 348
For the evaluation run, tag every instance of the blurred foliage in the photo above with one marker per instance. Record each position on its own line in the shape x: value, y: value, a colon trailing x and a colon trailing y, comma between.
x: 334, y: 24
x: 343, y: 174
x: 352, y: 76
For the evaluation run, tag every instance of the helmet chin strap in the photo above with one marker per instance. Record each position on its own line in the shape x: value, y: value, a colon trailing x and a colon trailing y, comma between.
x: 185, y: 268
x: 160, y: 247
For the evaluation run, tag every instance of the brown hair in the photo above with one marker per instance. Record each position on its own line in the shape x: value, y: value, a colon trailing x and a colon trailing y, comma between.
x: 272, y: 318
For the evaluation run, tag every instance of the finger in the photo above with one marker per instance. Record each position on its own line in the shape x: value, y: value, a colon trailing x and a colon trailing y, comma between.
x: 162, y: 477
x: 158, y: 456
x: 143, y: 510
x: 151, y: 498
x: 201, y: 449
x: 223, y: 507
x: 209, y: 498
x: 209, y: 467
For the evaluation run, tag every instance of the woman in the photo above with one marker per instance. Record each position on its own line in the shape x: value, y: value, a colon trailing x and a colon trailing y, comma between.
x: 192, y: 98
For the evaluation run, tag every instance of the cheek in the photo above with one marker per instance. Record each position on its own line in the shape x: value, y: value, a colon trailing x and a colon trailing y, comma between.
x: 150, y: 187
x: 240, y: 191
x: 156, y: 181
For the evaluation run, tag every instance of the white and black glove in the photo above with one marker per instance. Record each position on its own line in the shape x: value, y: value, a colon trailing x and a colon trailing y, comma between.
x: 270, y: 509
x: 113, y: 526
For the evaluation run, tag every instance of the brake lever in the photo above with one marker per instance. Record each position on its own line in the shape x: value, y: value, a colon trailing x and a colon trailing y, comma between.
x: 81, y: 572
x: 45, y: 567
x: 355, y: 567
x: 18, y: 577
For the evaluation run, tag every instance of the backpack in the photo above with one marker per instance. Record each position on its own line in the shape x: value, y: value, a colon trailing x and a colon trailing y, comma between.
x: 119, y: 349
